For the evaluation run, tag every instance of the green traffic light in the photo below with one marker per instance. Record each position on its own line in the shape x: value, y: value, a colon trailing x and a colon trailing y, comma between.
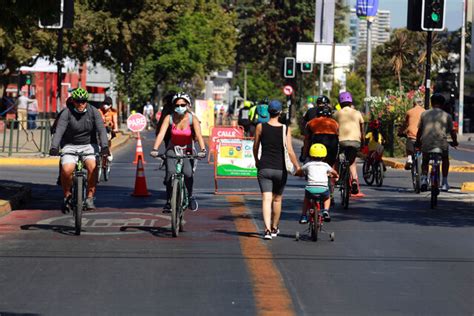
x: 289, y: 71
x: 435, y: 17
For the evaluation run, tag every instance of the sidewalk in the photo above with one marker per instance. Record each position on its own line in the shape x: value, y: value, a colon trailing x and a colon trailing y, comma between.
x: 12, y: 195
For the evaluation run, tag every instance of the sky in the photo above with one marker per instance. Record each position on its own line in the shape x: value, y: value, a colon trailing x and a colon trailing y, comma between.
x: 398, y: 12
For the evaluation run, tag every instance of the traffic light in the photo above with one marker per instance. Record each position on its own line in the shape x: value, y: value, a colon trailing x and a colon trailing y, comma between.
x: 28, y: 79
x: 290, y: 67
x: 57, y: 14
x: 432, y: 15
x: 306, y: 67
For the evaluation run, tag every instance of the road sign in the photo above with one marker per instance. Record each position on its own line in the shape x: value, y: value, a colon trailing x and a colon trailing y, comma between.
x: 136, y: 122
x: 288, y: 90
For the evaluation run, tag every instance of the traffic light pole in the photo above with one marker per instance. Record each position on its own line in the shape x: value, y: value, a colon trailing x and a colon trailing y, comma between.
x: 428, y: 69
x: 59, y: 60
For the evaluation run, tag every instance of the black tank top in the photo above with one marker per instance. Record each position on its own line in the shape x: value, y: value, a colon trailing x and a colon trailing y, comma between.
x: 272, y: 147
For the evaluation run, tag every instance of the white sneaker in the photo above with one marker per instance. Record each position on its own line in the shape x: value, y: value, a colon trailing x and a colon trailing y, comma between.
x: 445, y: 187
x: 424, y: 183
x: 110, y: 158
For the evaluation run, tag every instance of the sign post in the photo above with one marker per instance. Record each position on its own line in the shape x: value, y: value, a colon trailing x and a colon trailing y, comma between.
x: 288, y: 91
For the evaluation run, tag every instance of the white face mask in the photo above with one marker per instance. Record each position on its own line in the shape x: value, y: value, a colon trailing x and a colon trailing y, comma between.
x: 180, y: 110
x: 107, y: 106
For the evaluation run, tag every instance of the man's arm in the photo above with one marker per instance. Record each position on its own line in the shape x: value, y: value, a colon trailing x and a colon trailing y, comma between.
x: 61, y: 127
x: 99, y: 125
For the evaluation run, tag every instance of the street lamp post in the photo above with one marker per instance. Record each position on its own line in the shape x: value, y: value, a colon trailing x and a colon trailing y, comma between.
x: 461, y: 69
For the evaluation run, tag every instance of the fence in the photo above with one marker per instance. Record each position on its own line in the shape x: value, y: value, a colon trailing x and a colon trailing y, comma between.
x: 17, y: 138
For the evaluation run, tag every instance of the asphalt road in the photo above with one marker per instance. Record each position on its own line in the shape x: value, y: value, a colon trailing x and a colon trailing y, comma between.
x: 392, y: 254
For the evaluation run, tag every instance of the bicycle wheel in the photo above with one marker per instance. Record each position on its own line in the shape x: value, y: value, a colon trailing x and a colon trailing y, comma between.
x: 184, y: 205
x: 79, y: 203
x: 313, y: 226
x: 345, y: 189
x: 99, y: 170
x: 368, y: 173
x: 175, y: 207
x: 378, y: 173
x: 106, y: 170
x: 435, y: 187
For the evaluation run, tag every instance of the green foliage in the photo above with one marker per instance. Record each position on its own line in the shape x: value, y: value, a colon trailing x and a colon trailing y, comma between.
x: 258, y: 84
x: 356, y: 86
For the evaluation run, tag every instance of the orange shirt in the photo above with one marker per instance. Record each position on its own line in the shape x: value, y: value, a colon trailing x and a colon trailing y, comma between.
x: 108, y: 117
x: 412, y: 120
x: 322, y: 125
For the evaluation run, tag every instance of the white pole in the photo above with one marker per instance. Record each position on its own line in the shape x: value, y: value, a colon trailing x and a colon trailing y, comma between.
x: 461, y: 68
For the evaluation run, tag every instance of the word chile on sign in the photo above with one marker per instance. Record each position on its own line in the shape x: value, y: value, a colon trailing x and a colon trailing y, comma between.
x: 136, y: 122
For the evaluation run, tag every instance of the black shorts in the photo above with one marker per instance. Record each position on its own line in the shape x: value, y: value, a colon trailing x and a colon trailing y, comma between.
x: 350, y: 149
x: 272, y: 180
x: 331, y: 142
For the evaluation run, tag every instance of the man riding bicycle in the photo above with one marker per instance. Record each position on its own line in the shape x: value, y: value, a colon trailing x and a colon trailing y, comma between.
x: 409, y: 129
x: 435, y: 125
x: 351, y: 134
x: 109, y: 115
x: 76, y: 132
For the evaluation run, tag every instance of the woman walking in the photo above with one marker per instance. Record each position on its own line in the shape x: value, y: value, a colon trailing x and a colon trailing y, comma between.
x: 272, y: 170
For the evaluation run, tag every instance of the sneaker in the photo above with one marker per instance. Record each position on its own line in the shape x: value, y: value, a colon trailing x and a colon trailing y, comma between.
x: 445, y: 187
x: 66, y: 206
x: 193, y: 204
x: 275, y: 232
x: 354, y: 187
x: 90, y: 204
x: 167, y: 208
x: 303, y: 219
x: 267, y: 235
x: 326, y: 216
x: 110, y: 158
x: 424, y: 183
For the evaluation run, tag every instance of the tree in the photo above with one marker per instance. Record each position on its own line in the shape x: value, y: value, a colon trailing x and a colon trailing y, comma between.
x: 398, y: 49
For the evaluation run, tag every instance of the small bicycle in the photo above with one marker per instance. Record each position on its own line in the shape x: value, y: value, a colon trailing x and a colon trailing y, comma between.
x: 372, y: 169
x: 179, y: 193
x: 315, y: 219
x: 103, y: 169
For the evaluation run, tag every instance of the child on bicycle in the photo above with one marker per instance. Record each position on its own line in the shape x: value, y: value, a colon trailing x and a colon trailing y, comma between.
x: 374, y: 141
x: 317, y: 187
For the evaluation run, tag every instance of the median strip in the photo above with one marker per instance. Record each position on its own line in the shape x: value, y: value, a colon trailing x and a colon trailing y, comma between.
x: 270, y: 293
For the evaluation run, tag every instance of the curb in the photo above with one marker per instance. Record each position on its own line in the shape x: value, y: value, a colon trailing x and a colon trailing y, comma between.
x: 398, y: 165
x: 53, y: 161
x: 467, y: 187
x: 22, y: 196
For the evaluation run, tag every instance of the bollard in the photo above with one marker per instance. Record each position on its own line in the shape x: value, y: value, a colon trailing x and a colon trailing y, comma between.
x: 10, y: 147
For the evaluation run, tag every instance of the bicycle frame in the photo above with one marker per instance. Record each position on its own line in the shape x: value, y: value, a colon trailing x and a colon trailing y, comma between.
x: 434, y: 162
x: 344, y: 180
x: 416, y: 170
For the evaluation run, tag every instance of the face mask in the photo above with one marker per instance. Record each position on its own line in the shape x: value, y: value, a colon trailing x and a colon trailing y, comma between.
x: 106, y: 107
x: 80, y: 112
x: 180, y: 110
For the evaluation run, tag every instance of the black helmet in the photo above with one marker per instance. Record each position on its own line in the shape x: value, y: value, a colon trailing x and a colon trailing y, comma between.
x: 438, y: 99
x: 322, y: 100
x: 324, y: 110
x: 107, y: 100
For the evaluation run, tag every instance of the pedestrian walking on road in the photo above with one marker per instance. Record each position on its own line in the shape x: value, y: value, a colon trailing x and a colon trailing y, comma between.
x: 22, y: 109
x: 32, y: 112
x: 272, y: 171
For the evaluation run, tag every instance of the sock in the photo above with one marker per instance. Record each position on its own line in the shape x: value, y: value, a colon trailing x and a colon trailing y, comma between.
x: 409, y: 159
x: 445, y: 180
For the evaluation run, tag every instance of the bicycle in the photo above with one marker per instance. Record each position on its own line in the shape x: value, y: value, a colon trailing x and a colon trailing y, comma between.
x: 434, y: 163
x: 416, y: 170
x: 372, y: 169
x: 79, y: 189
x: 315, y: 220
x: 344, y: 179
x: 179, y: 195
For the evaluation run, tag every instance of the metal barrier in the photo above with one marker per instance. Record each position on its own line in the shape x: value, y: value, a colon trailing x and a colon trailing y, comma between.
x: 17, y: 138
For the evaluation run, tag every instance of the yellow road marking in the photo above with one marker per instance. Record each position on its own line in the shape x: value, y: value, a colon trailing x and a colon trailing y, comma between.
x: 271, y: 295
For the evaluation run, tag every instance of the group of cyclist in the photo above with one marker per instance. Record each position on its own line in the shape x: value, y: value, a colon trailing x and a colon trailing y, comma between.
x: 81, y: 127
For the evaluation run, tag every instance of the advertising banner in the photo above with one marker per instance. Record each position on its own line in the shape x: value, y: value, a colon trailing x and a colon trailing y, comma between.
x: 235, y: 158
x: 205, y: 113
x: 367, y: 8
x: 224, y: 132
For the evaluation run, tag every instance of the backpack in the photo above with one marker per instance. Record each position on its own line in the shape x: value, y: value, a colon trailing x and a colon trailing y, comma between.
x: 244, y: 117
x: 262, y: 115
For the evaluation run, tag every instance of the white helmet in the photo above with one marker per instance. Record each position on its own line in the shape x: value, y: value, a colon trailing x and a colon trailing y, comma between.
x: 309, y: 105
x: 181, y: 95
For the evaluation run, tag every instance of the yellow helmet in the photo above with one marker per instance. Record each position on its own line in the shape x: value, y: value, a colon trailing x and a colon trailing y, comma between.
x: 247, y: 104
x: 318, y: 151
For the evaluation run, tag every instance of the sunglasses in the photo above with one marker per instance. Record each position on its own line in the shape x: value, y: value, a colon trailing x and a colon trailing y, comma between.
x: 80, y: 101
x: 181, y: 104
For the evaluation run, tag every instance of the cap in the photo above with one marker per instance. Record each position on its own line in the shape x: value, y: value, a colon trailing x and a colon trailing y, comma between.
x: 274, y: 107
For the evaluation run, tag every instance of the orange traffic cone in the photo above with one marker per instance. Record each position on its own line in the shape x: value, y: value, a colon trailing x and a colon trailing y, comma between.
x: 140, y: 180
x: 139, y: 150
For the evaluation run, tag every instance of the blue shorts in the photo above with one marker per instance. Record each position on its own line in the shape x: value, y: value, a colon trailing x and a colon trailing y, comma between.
x: 316, y: 193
